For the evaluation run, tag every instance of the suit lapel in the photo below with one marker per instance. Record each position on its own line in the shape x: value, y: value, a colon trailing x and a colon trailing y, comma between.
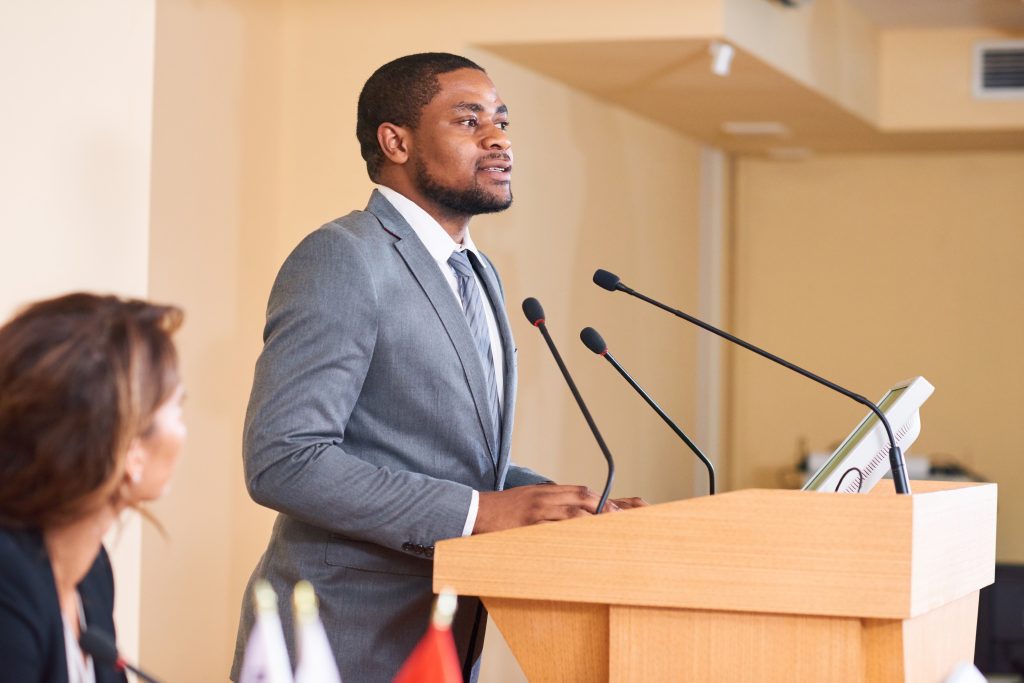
x: 430, y: 279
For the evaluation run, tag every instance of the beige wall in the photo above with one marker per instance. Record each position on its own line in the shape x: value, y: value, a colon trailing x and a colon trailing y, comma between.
x: 75, y: 129
x: 214, y: 209
x: 75, y: 126
x: 926, y: 82
x: 869, y: 270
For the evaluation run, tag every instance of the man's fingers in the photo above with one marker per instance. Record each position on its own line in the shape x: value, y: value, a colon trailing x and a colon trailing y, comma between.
x: 571, y: 496
x: 570, y: 492
x: 541, y: 503
x: 559, y: 512
x: 612, y: 506
x: 579, y: 512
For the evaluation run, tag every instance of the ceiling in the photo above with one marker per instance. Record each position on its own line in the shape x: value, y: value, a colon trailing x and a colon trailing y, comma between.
x: 999, y: 14
x: 670, y: 81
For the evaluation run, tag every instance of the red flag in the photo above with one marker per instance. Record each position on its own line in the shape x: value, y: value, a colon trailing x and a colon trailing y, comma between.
x: 434, y: 659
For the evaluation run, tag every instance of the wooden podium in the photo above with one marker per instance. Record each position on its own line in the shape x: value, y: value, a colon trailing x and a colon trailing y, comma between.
x: 755, y: 585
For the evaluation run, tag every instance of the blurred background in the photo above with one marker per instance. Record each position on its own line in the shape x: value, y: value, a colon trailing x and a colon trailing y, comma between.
x: 839, y: 181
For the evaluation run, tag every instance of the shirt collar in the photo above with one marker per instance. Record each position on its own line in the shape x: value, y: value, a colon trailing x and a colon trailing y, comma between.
x: 438, y: 242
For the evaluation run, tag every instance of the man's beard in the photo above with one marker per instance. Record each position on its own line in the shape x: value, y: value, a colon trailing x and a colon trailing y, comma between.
x: 469, y: 201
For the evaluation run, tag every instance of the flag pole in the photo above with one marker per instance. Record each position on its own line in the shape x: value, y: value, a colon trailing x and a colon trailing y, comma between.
x: 444, y: 609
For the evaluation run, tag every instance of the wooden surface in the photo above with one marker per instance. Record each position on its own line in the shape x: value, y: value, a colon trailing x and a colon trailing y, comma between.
x: 923, y: 649
x: 569, y: 643
x: 554, y: 642
x: 949, y: 537
x: 934, y: 642
x: 652, y: 644
x: 746, y: 586
x: 784, y: 552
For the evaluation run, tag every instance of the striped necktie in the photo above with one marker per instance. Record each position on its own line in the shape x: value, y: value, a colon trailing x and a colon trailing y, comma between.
x: 473, y: 306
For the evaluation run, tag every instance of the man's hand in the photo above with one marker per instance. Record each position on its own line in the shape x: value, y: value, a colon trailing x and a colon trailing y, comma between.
x: 628, y: 503
x: 525, y: 505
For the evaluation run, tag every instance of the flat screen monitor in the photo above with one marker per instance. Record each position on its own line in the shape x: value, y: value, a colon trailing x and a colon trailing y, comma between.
x: 862, y: 459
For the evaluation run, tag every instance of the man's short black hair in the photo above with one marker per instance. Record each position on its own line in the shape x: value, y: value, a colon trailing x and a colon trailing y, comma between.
x: 396, y: 93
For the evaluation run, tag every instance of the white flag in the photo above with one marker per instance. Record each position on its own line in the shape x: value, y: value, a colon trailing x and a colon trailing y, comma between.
x: 316, y: 660
x: 266, y: 656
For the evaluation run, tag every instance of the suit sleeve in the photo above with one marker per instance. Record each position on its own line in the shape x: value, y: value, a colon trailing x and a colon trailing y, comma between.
x: 20, y: 648
x: 23, y: 649
x: 523, y: 476
x: 318, y: 344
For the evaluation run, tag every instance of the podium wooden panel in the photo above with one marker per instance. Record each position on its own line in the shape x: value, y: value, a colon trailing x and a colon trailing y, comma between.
x: 753, y: 585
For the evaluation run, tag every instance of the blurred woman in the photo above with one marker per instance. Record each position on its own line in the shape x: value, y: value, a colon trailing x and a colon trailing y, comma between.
x: 90, y: 423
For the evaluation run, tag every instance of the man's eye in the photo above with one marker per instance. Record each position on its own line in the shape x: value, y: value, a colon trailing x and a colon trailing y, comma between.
x: 504, y: 125
x: 472, y: 123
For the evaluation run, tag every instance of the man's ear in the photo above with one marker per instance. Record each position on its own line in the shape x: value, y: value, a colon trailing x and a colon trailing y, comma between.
x: 394, y: 142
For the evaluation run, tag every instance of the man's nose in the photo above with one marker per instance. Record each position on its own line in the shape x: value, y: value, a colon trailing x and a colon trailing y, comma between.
x: 497, y: 139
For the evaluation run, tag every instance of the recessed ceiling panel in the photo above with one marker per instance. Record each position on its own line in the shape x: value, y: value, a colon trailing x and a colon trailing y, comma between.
x: 1008, y: 14
x: 671, y: 82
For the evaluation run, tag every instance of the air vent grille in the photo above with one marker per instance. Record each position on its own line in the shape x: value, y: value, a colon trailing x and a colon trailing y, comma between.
x: 999, y: 69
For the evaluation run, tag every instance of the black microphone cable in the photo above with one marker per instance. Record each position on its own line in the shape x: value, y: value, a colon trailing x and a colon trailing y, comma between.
x: 592, y: 339
x: 102, y: 647
x: 611, y: 282
x: 535, y: 314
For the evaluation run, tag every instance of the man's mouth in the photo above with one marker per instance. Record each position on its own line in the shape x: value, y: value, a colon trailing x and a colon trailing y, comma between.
x: 500, y: 167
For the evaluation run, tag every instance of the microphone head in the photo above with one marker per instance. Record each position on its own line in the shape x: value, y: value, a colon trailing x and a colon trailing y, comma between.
x: 593, y: 341
x: 606, y: 280
x: 100, y: 645
x: 533, y: 310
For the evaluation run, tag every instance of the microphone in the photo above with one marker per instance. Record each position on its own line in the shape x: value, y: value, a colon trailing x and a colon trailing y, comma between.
x: 593, y: 341
x: 535, y: 314
x: 611, y: 282
x: 101, y: 646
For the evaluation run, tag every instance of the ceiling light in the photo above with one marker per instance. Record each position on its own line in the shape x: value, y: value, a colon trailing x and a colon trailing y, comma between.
x: 790, y: 153
x: 762, y: 128
x: 721, y: 57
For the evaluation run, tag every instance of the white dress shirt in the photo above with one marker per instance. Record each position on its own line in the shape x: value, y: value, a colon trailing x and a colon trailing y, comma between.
x: 440, y: 245
x: 80, y: 666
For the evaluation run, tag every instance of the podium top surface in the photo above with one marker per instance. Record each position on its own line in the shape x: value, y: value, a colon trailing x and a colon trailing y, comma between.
x: 878, y: 555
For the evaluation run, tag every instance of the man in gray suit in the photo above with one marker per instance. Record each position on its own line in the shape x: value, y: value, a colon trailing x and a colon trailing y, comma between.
x: 381, y: 411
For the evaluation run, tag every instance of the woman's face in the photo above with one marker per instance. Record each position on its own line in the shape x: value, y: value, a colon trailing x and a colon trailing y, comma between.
x: 160, y: 448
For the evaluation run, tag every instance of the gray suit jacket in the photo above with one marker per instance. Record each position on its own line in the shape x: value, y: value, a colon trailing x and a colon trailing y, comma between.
x: 367, y: 429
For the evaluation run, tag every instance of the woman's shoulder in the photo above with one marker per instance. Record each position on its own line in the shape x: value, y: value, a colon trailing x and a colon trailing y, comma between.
x: 25, y: 575
x: 30, y: 626
x: 21, y: 552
